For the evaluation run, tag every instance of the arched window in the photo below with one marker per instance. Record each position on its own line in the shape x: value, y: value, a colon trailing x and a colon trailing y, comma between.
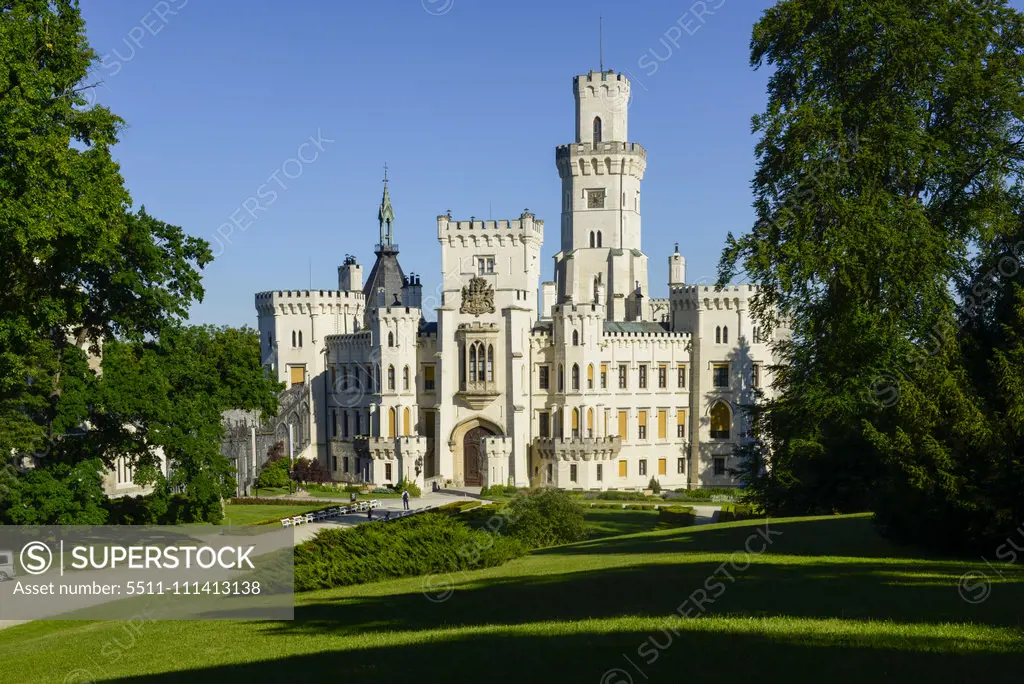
x: 598, y: 238
x: 391, y: 422
x: 590, y: 422
x: 597, y: 129
x: 490, y: 363
x: 376, y: 378
x: 472, y: 362
x: 575, y: 338
x: 725, y: 335
x: 718, y: 335
x: 575, y: 376
x: 391, y: 378
x: 300, y: 338
x: 391, y: 339
x: 592, y: 243
x: 590, y: 376
x: 405, y: 378
x: 561, y: 378
x: 575, y: 422
x: 406, y: 423
x: 294, y: 343
x: 721, y: 419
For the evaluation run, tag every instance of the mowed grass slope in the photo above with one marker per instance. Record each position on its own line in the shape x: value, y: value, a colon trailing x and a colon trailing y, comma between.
x: 827, y: 601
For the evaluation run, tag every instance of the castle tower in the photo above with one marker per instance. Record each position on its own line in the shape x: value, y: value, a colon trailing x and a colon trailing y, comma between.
x: 384, y: 284
x: 601, y: 173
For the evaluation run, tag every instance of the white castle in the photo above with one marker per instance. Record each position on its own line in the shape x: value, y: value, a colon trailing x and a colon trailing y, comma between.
x: 603, y: 387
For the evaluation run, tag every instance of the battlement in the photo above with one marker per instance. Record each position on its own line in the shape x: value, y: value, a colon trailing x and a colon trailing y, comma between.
x: 745, y: 288
x: 585, y: 309
x: 603, y: 158
x: 665, y: 335
x: 526, y: 224
x: 357, y: 339
x: 596, y: 77
x: 410, y: 313
x: 286, y: 295
x: 587, y: 149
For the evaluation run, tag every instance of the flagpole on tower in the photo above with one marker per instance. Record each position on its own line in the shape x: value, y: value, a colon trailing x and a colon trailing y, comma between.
x: 600, y: 42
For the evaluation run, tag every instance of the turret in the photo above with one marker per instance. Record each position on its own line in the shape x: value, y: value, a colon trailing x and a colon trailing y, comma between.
x: 350, y: 275
x: 676, y: 268
x: 412, y: 291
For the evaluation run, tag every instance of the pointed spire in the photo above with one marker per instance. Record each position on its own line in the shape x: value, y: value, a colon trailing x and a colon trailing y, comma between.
x: 386, y: 215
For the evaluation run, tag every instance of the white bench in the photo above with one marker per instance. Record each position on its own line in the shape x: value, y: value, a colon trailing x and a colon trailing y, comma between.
x: 286, y: 522
x: 374, y: 503
x: 298, y: 520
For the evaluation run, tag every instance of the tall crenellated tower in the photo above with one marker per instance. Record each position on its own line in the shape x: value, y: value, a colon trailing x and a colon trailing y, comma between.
x: 601, y: 173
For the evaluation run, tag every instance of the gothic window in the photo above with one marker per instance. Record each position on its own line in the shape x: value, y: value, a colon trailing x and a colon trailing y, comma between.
x: 376, y: 378
x: 391, y: 339
x: 590, y: 377
x: 725, y: 335
x: 472, y: 363
x: 592, y: 242
x: 575, y: 338
x: 561, y: 378
x: 300, y: 338
x: 718, y: 335
x: 391, y: 378
x: 481, y: 362
x: 490, y: 363
x: 575, y: 376
x: 597, y: 129
x: 598, y: 238
x: 294, y: 344
x: 405, y: 378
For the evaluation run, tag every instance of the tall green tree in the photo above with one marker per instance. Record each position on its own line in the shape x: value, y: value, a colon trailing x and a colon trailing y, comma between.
x: 891, y: 146
x: 78, y: 264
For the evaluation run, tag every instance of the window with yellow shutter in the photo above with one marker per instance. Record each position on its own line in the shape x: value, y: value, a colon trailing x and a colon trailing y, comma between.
x: 681, y: 423
x: 642, y: 425
x: 298, y: 375
x: 662, y: 423
x: 662, y: 466
x: 622, y: 469
x: 622, y: 424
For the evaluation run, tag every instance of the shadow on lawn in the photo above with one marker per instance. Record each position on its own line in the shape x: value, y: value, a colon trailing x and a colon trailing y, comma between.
x: 591, y: 658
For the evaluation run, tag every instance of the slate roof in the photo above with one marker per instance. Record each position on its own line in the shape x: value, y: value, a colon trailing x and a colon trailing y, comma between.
x: 386, y: 273
x: 635, y: 327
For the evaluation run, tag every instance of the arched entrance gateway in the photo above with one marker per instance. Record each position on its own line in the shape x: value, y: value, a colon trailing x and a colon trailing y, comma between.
x: 468, y: 451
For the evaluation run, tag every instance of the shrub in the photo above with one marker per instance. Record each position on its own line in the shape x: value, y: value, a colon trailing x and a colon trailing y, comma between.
x: 260, y: 501
x: 353, y: 489
x: 676, y: 516
x: 499, y: 490
x: 545, y: 517
x: 622, y: 496
x: 654, y: 485
x: 382, y: 490
x: 409, y: 486
x: 639, y: 507
x: 274, y: 474
x: 732, y: 512
x: 418, y: 545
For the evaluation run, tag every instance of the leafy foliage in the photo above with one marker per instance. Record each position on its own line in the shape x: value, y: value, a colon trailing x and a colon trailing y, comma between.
x: 545, y: 517
x: 418, y: 545
x: 408, y: 486
x: 891, y: 148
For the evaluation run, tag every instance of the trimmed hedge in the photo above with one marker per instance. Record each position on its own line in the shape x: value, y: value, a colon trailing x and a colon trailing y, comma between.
x: 623, y: 496
x: 260, y: 501
x: 418, y: 545
x: 731, y: 512
x: 676, y: 516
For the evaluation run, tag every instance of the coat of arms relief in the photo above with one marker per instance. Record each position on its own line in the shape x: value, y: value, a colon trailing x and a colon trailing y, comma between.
x: 477, y: 297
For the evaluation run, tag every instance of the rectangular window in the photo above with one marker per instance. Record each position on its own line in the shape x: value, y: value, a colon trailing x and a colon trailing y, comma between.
x: 681, y: 376
x: 681, y: 423
x: 642, y: 381
x: 481, y: 266
x: 622, y: 469
x: 387, y: 472
x: 643, y: 466
x: 604, y: 376
x: 641, y: 425
x: 344, y: 424
x: 544, y: 420
x: 622, y: 376
x: 334, y: 423
x: 622, y: 423
x: 600, y: 472
x: 755, y: 379
x: 543, y: 377
x: 549, y: 472
x: 720, y: 375
x: 662, y: 424
x: 344, y: 464
x: 490, y: 265
x: 334, y: 462
x: 680, y: 466
x: 572, y: 472
x: 428, y: 378
x: 662, y: 466
x: 719, y: 465
x: 662, y: 377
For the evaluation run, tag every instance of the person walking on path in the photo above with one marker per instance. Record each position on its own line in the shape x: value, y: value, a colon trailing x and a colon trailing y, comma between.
x: 405, y: 499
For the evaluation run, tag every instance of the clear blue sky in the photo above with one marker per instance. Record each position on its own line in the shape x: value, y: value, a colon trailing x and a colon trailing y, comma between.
x: 464, y: 99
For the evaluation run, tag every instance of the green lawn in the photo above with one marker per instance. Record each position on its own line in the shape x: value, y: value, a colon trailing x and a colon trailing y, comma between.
x: 244, y: 514
x: 605, y: 522
x: 828, y: 601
